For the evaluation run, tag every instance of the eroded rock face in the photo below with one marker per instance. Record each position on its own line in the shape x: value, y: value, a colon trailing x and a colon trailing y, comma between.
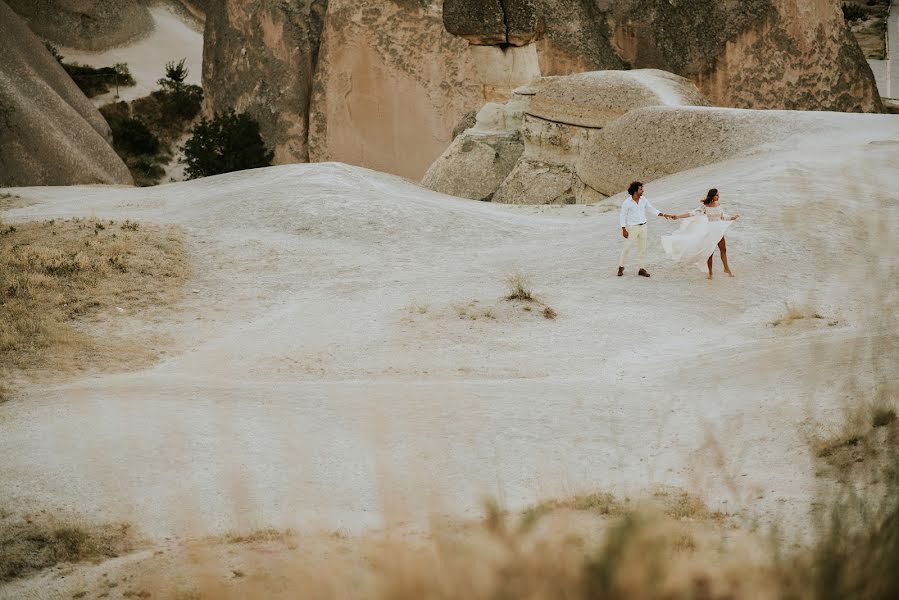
x: 482, y: 156
x: 580, y: 140
x: 375, y: 83
x: 85, y: 24
x: 50, y: 133
x: 793, y: 54
x: 494, y: 22
x: 391, y: 84
x: 259, y: 56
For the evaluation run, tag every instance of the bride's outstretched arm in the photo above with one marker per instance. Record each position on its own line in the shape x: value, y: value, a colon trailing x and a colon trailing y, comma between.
x: 683, y: 216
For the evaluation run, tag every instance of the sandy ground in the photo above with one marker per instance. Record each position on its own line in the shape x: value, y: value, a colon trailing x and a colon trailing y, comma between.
x: 175, y: 36
x: 322, y: 377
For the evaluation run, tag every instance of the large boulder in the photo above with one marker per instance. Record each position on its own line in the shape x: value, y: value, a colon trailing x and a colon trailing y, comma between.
x: 494, y: 22
x: 652, y: 142
x: 86, y: 24
x: 50, y: 133
x: 646, y: 124
x: 595, y: 99
x: 481, y: 157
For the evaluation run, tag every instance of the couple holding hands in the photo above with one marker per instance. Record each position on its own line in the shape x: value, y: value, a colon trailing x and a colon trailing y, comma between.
x: 694, y: 242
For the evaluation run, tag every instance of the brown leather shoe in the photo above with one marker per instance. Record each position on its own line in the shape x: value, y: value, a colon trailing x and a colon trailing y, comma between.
x: 642, y: 273
x: 620, y: 271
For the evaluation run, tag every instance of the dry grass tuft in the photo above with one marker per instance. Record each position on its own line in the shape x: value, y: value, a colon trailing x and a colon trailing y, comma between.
x: 793, y: 313
x: 259, y: 535
x: 868, y: 433
x: 57, y: 275
x: 549, y: 313
x: 35, y: 543
x: 519, y: 287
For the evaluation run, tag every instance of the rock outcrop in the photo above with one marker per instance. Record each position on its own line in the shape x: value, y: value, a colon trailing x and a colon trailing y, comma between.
x: 586, y: 136
x: 494, y: 22
x: 259, y: 56
x: 50, y: 133
x: 85, y: 24
x: 381, y: 83
x: 389, y: 86
x: 787, y: 54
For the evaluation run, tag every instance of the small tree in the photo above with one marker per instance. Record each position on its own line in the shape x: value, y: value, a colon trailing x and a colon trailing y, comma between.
x: 175, y: 75
x: 229, y: 142
x: 121, y: 73
x: 180, y: 100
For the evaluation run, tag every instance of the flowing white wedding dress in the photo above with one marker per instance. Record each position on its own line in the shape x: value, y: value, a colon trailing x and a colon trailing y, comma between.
x: 698, y: 236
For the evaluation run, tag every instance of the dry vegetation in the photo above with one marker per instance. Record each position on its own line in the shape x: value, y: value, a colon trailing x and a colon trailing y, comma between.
x: 58, y: 276
x: 519, y: 288
x: 793, y: 313
x: 36, y: 542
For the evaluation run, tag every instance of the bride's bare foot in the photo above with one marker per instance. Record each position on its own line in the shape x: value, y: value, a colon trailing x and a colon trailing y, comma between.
x: 709, y: 276
x: 729, y: 274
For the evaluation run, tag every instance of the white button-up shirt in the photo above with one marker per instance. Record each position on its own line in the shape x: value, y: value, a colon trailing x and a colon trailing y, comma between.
x: 634, y: 213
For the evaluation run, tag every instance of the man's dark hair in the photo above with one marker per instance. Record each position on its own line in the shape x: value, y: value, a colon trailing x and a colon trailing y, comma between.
x: 632, y: 188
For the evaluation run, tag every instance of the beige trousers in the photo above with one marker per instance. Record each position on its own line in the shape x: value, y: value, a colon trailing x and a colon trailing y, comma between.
x: 635, y: 234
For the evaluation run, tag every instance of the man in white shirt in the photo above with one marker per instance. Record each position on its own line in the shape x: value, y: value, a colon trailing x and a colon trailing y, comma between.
x: 633, y: 226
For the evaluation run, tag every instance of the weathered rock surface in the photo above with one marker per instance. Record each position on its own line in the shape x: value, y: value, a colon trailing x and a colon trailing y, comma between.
x: 259, y: 56
x: 481, y: 157
x: 375, y: 83
x: 793, y: 54
x: 50, y: 133
x: 595, y: 99
x: 390, y: 86
x: 85, y: 24
x: 494, y: 22
x: 649, y: 143
x: 586, y: 136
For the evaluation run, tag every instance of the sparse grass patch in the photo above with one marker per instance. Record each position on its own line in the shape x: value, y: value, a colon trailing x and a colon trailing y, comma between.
x: 793, y: 313
x: 259, y: 535
x: 519, y: 287
x: 54, y: 274
x: 549, y: 313
x: 38, y: 542
x: 868, y: 433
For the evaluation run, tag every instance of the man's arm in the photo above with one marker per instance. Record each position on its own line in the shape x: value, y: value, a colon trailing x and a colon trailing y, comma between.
x: 657, y: 212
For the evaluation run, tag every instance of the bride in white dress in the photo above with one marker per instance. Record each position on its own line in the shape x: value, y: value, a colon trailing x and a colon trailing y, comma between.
x: 702, y: 230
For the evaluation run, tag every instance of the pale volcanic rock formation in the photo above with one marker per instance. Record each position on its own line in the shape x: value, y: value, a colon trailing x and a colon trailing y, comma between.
x: 376, y: 83
x: 481, y: 157
x: 494, y: 22
x: 50, y: 133
x: 86, y: 24
x: 794, y: 54
x: 259, y: 56
x: 558, y: 120
x: 391, y: 84
x: 595, y: 99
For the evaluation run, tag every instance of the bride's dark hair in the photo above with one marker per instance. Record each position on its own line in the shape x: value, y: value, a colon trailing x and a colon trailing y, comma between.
x: 710, y: 197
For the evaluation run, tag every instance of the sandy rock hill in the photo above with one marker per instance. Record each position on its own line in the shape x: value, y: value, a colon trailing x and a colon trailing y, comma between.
x: 85, y: 24
x: 382, y: 83
x: 50, y: 133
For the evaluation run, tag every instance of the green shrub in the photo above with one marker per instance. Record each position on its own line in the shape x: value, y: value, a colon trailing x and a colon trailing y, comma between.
x: 96, y: 81
x: 179, y: 99
x: 229, y: 142
x: 132, y: 136
x: 853, y: 12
